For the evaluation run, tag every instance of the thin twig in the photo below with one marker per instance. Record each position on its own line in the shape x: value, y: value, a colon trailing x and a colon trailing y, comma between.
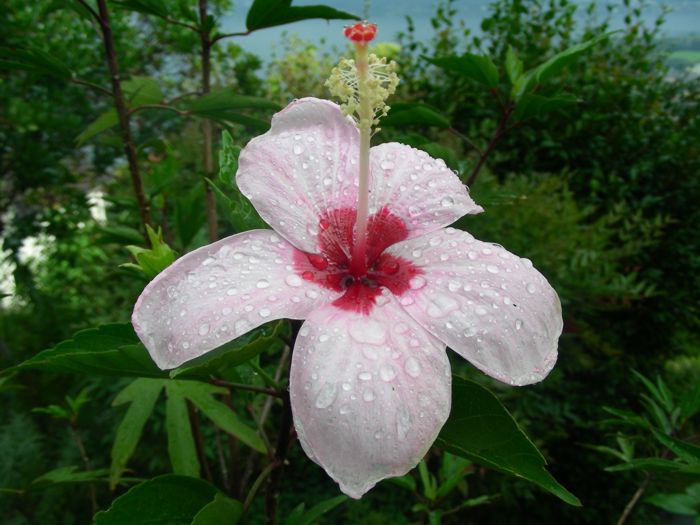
x: 466, y: 139
x: 86, y: 461
x: 500, y: 131
x: 635, y: 498
x: 183, y: 95
x: 222, y: 460
x: 123, y: 115
x: 256, y: 485
x: 93, y: 86
x: 272, y: 493
x: 228, y: 35
x: 92, y: 12
x: 159, y: 106
x: 199, y: 440
x: 251, y: 388
x: 182, y: 24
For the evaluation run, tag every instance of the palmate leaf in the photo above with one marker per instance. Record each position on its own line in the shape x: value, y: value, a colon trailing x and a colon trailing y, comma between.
x: 270, y: 13
x: 181, y: 446
x: 105, y: 121
x: 482, y: 430
x: 141, y: 394
x: 109, y: 350
x: 171, y: 499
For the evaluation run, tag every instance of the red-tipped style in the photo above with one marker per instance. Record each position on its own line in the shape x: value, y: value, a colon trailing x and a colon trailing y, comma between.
x: 361, y: 32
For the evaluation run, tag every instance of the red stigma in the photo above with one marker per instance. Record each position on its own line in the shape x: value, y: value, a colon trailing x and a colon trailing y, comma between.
x: 362, y: 32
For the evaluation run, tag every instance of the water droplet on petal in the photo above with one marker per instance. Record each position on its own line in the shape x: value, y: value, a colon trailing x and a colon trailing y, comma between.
x: 387, y: 372
x: 365, y: 330
x: 264, y: 312
x: 518, y: 324
x: 298, y: 149
x: 480, y: 310
x: 364, y: 376
x: 387, y: 165
x: 447, y: 202
x: 368, y: 395
x: 453, y: 286
x: 531, y: 288
x: 203, y: 329
x: 293, y: 280
x: 491, y: 268
x: 326, y: 395
x: 412, y: 367
x: 416, y: 283
x: 403, y: 422
x: 318, y: 261
x: 262, y: 283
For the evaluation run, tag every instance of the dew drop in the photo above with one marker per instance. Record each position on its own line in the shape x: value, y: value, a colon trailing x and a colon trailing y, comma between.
x: 518, y: 324
x: 531, y: 288
x: 231, y: 291
x: 326, y: 395
x: 480, y: 310
x: 453, y: 286
x: 472, y: 255
x: 447, y: 202
x: 491, y: 268
x: 369, y: 331
x: 298, y: 149
x: 416, y: 283
x: 387, y: 165
x: 368, y: 395
x: 293, y: 280
x: 347, y: 387
x: 262, y: 283
x: 412, y: 367
x: 264, y: 312
x: 364, y: 376
x: 387, y: 372
x: 203, y: 329
x: 403, y: 422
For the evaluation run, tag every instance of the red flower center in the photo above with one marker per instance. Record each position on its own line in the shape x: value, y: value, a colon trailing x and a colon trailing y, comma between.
x: 332, y: 267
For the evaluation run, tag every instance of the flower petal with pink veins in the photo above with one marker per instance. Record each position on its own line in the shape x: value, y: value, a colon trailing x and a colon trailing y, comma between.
x: 369, y: 393
x: 304, y: 166
x: 219, y: 292
x: 422, y: 191
x: 490, y: 306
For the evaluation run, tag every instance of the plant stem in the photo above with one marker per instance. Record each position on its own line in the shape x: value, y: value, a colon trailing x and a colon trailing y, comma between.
x: 251, y: 388
x: 283, y: 438
x: 500, y: 131
x: 207, y: 156
x: 123, y: 115
x: 86, y: 461
x: 199, y: 440
x: 635, y: 498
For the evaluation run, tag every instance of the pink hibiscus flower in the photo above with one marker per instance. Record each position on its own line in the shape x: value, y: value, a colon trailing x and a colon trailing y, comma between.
x: 370, y: 377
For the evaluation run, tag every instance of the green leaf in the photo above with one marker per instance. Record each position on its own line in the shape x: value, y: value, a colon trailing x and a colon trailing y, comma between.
x: 222, y: 510
x: 686, y: 451
x: 107, y: 120
x: 228, y: 160
x: 683, y: 504
x: 481, y: 429
x: 652, y: 464
x: 475, y: 67
x: 270, y: 337
x: 120, y: 235
x: 514, y: 66
x: 141, y: 394
x: 169, y: 499
x: 535, y: 105
x: 315, y: 512
x: 142, y: 90
x: 201, y: 394
x: 109, y: 350
x: 67, y: 475
x: 190, y: 215
x: 226, y: 99
x: 269, y: 13
x: 35, y: 61
x: 413, y: 114
x: 553, y: 66
x: 181, y: 446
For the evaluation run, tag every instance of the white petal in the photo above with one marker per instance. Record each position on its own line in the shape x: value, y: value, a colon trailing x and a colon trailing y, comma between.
x: 421, y: 190
x: 219, y: 292
x: 369, y: 393
x: 305, y: 165
x: 490, y: 306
